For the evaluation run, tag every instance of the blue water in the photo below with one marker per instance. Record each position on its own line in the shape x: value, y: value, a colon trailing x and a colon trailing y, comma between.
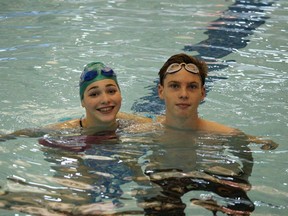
x: 43, y: 47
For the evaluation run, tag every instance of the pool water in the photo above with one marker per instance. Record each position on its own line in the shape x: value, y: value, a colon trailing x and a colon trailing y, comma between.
x: 44, y: 45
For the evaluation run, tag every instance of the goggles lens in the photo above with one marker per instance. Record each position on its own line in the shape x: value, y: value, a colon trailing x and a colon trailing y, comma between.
x: 106, y: 71
x: 90, y: 75
x: 175, y: 67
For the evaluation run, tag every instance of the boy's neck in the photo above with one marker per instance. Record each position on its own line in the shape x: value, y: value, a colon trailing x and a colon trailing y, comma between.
x: 182, y: 123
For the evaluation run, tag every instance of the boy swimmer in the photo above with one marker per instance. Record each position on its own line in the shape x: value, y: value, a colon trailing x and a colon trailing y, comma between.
x: 182, y: 87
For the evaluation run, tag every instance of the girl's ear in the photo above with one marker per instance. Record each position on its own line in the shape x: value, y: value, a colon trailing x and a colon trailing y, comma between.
x: 82, y: 103
x: 160, y: 91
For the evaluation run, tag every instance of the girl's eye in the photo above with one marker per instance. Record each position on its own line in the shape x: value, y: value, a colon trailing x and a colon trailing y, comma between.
x: 111, y: 91
x: 94, y: 93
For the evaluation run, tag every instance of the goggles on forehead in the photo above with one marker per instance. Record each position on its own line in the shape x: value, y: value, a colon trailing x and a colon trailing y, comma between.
x: 90, y: 75
x: 175, y: 67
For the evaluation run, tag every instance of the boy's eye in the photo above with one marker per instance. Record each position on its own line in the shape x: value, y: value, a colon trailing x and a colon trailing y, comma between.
x: 174, y: 85
x: 193, y: 86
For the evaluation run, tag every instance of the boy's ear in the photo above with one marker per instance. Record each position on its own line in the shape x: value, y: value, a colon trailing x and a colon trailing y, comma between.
x: 160, y: 91
x: 203, y: 92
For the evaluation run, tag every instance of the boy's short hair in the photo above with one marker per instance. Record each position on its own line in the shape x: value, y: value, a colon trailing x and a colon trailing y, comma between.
x: 184, y: 58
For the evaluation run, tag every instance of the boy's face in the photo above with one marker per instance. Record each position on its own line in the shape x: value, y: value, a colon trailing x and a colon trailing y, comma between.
x: 182, y: 93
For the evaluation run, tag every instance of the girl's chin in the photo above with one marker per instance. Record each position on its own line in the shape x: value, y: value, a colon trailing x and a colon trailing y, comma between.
x: 107, y: 118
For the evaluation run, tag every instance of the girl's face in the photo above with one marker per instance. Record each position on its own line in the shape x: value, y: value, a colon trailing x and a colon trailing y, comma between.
x: 102, y: 101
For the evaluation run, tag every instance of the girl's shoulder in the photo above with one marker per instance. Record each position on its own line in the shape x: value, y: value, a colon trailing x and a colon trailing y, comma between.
x: 134, y: 117
x: 70, y: 124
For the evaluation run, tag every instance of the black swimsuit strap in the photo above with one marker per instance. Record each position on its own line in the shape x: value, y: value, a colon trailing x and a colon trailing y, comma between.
x: 80, y: 123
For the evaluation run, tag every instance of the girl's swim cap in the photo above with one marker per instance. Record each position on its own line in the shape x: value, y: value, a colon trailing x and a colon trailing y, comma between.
x: 93, y: 72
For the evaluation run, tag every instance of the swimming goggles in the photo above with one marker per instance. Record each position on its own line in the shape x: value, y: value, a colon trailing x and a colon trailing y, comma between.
x: 175, y: 67
x: 90, y: 75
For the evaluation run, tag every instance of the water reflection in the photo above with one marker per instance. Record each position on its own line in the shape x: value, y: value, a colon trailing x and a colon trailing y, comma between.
x: 137, y: 174
x: 84, y: 181
x: 100, y: 167
x: 216, y: 166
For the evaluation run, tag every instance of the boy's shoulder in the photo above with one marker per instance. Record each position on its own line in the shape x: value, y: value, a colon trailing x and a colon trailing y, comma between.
x: 212, y: 126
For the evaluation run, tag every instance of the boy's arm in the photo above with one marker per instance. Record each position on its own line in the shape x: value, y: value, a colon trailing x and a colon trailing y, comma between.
x: 266, y: 144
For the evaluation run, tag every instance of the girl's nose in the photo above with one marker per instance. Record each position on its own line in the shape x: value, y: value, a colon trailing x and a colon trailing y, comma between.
x: 105, y: 98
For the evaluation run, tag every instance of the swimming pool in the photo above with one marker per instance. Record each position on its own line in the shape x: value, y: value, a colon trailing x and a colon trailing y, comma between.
x: 44, y: 45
